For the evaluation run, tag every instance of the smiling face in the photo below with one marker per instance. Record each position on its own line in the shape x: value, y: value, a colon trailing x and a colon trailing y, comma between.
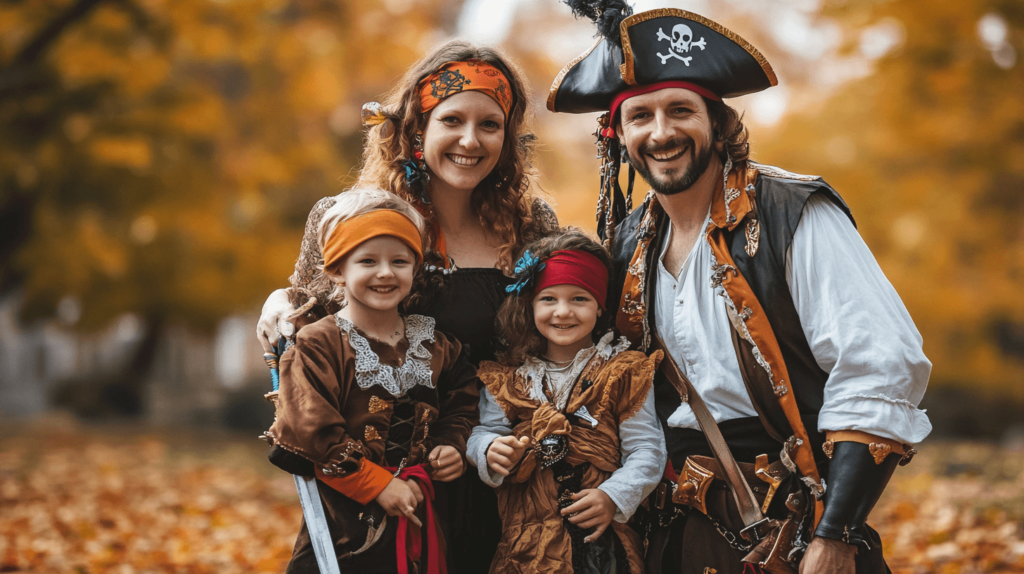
x: 668, y: 134
x: 378, y: 273
x: 463, y: 138
x: 565, y: 315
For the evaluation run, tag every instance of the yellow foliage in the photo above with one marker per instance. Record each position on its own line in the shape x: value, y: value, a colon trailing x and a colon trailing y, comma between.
x: 134, y: 152
x: 80, y: 498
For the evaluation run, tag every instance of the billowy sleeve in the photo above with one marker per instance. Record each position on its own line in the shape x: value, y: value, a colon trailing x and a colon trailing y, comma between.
x: 642, y: 443
x: 858, y: 329
x: 493, y: 424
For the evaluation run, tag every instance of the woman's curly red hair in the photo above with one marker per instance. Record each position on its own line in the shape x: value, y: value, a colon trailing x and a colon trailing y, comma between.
x: 502, y: 200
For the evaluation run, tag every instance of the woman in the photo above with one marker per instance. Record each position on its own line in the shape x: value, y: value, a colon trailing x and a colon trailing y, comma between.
x: 451, y: 139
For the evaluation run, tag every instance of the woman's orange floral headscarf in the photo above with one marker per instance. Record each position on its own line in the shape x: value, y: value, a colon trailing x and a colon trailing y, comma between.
x: 456, y: 77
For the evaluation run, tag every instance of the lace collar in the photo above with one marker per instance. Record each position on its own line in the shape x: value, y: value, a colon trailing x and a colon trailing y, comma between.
x: 535, y: 370
x: 414, y: 371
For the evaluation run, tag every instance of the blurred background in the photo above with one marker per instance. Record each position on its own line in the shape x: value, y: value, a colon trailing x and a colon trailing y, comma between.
x: 158, y: 159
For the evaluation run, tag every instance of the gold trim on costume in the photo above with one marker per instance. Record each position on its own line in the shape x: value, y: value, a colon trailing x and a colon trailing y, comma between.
x: 377, y: 405
x: 879, y: 451
x: 868, y: 439
x: 628, y: 74
x: 371, y: 433
x: 561, y: 75
x: 753, y: 233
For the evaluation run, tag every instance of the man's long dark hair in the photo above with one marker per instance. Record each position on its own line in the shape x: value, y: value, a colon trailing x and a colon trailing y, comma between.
x: 729, y: 132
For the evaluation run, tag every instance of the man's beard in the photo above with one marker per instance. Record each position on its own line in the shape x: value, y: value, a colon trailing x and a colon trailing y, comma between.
x: 699, y: 162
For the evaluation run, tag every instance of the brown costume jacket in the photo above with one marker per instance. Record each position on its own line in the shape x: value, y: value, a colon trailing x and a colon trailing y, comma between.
x: 335, y: 410
x: 534, y: 538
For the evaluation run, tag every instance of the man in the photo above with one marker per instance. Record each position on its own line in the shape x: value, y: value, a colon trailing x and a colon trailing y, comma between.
x: 764, y: 296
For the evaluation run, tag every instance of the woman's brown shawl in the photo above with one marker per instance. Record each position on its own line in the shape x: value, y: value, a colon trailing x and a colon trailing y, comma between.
x: 534, y: 538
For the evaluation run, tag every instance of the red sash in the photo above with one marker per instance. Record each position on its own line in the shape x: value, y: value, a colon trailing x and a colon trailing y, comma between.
x: 411, y: 547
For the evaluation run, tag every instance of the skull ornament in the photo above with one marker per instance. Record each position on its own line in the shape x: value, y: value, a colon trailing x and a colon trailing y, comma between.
x: 552, y: 449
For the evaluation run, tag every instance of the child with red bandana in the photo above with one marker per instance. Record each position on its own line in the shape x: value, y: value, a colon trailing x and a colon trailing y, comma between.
x: 568, y: 434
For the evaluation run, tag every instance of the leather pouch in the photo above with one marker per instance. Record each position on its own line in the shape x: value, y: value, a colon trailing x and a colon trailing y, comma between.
x: 698, y: 487
x: 693, y: 484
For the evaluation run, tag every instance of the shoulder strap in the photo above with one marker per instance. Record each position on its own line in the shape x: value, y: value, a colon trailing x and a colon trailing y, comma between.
x: 754, y: 521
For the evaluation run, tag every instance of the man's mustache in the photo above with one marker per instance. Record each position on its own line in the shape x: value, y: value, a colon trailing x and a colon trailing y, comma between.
x: 670, y: 145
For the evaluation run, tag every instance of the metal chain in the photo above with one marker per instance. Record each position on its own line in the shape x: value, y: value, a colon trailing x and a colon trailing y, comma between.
x: 731, y: 537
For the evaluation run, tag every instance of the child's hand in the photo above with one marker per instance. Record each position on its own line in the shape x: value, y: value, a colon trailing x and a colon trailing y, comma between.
x: 592, y: 509
x: 445, y: 463
x: 401, y: 498
x: 505, y: 452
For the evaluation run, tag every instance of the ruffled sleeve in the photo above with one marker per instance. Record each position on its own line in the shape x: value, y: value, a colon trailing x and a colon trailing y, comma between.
x: 640, y: 375
x: 641, y: 439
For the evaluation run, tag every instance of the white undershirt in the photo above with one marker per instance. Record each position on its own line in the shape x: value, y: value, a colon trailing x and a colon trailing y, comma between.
x: 855, y: 323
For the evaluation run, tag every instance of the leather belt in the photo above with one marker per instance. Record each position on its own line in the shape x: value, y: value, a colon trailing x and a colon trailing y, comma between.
x: 755, y: 524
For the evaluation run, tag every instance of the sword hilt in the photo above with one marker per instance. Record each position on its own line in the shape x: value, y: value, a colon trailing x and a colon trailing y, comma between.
x: 275, y: 373
x: 271, y: 359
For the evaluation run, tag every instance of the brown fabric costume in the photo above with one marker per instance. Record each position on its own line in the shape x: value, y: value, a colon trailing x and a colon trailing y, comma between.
x: 465, y: 309
x: 324, y: 415
x: 535, y: 538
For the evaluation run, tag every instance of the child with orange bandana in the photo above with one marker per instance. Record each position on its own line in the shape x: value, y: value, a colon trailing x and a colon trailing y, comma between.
x: 379, y: 402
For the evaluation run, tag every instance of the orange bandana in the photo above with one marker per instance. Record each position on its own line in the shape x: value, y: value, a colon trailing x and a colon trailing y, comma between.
x: 456, y: 77
x: 383, y: 222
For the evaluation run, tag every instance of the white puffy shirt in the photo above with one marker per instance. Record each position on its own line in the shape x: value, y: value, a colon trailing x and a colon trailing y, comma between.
x: 855, y: 323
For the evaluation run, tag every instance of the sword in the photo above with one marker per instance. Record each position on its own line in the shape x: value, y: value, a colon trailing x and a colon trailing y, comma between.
x: 309, y: 495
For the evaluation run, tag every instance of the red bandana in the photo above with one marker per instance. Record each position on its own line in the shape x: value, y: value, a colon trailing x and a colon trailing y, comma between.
x: 641, y: 90
x: 577, y: 268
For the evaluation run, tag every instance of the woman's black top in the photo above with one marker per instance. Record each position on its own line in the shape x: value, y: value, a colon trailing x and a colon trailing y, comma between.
x: 465, y: 307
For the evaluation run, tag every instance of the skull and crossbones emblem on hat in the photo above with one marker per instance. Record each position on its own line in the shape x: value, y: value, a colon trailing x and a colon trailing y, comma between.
x: 680, y: 42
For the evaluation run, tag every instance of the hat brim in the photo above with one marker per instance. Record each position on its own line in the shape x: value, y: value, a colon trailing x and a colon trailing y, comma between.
x: 721, y: 61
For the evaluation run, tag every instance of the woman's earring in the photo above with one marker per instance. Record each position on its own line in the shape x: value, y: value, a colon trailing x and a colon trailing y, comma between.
x: 416, y: 176
x: 499, y: 180
x: 417, y: 146
x: 417, y: 150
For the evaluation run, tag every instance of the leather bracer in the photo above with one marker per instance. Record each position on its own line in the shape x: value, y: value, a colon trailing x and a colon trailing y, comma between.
x: 855, y: 482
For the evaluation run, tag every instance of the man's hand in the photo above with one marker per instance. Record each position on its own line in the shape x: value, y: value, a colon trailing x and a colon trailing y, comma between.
x: 505, y: 452
x: 445, y: 464
x: 592, y: 508
x: 401, y: 498
x: 828, y: 555
x: 272, y: 322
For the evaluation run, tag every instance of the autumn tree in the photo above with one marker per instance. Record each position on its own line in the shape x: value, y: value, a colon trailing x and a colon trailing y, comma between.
x: 929, y: 152
x: 159, y: 157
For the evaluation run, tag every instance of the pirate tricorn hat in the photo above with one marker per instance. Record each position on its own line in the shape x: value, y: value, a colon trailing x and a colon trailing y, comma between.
x: 656, y: 49
x: 656, y: 46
